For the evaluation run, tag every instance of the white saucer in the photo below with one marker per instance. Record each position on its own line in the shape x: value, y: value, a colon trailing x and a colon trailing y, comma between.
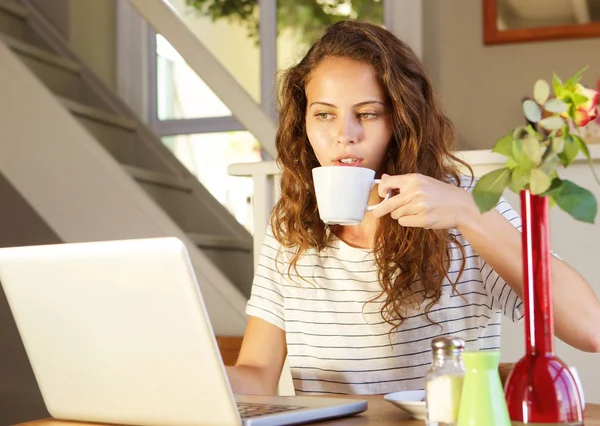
x: 410, y: 401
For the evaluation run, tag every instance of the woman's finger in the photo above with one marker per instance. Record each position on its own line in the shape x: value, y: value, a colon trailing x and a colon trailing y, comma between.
x: 391, y: 204
x: 397, y: 183
x: 408, y: 209
x: 412, y: 221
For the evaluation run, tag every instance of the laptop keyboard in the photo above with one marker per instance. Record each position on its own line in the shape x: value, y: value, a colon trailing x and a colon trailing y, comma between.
x: 248, y: 410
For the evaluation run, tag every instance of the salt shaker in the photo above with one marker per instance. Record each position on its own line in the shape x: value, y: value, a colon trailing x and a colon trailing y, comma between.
x: 444, y: 381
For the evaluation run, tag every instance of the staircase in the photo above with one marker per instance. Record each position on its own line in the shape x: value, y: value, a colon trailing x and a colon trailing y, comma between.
x: 139, y: 152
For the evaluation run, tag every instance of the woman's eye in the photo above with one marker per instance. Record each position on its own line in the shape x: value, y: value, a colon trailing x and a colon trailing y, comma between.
x: 323, y: 116
x: 367, y: 115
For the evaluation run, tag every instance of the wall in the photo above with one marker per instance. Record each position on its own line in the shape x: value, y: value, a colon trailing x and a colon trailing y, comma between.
x: 93, y: 36
x: 482, y: 86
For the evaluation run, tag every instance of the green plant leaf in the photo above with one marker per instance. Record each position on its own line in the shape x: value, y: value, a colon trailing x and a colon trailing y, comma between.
x: 532, y: 148
x: 569, y: 101
x: 541, y: 91
x: 558, y: 144
x: 550, y: 163
x: 531, y: 130
x: 579, y: 99
x: 557, y: 85
x: 569, y: 152
x: 520, y: 157
x: 520, y: 131
x: 519, y: 178
x: 503, y: 146
x: 555, y: 187
x: 552, y: 123
x: 572, y: 82
x: 489, y: 189
x: 584, y: 148
x: 511, y: 163
x: 532, y: 111
x: 576, y: 201
x: 557, y: 106
x: 548, y: 151
x: 538, y: 181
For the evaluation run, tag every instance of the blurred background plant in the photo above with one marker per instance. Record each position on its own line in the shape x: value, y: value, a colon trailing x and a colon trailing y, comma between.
x: 305, y: 17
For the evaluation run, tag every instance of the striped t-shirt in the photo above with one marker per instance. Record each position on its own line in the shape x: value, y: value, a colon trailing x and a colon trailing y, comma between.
x: 339, y: 344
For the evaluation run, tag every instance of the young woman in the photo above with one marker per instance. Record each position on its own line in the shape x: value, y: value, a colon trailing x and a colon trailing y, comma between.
x: 354, y: 308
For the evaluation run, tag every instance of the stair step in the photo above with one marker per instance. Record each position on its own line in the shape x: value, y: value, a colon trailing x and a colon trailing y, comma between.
x: 93, y: 113
x: 182, y: 204
x: 222, y: 242
x: 27, y: 49
x: 119, y: 137
x: 13, y: 8
x: 117, y: 134
x: 62, y: 76
x: 155, y: 178
x: 12, y: 19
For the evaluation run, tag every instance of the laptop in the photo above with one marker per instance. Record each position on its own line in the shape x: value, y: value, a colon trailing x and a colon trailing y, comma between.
x: 117, y: 332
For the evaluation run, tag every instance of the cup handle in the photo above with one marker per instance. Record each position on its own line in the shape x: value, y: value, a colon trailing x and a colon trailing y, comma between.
x: 389, y: 194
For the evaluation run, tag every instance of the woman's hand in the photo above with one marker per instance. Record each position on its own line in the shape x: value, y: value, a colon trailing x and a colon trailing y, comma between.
x: 425, y: 202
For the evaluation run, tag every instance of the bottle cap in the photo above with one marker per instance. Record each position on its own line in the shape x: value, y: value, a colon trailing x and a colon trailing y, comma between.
x: 447, y: 345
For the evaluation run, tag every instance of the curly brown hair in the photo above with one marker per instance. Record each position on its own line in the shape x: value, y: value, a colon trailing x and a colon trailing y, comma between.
x: 412, y: 262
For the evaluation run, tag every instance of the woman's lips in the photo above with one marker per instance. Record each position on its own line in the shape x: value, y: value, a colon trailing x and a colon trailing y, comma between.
x: 357, y: 163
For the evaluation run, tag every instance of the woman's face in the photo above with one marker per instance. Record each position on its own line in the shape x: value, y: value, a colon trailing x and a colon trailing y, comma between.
x: 348, y: 121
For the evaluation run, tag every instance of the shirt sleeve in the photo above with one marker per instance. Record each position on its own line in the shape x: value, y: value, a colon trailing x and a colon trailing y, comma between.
x: 266, y: 300
x: 502, y: 294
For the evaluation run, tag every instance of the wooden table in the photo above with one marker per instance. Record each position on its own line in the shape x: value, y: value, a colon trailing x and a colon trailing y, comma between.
x: 380, y: 413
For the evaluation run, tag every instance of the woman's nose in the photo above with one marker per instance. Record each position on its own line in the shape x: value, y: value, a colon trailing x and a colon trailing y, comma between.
x: 348, y: 131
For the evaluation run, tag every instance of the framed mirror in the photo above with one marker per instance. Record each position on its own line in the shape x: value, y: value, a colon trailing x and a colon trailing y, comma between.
x: 518, y: 21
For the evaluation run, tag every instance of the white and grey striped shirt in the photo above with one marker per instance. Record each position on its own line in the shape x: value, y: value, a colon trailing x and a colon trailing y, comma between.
x: 339, y: 344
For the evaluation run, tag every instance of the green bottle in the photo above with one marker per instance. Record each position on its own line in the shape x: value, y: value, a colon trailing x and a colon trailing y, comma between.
x: 482, y: 402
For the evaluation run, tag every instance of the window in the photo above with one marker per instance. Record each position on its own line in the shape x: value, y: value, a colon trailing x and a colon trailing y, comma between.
x: 207, y: 156
x: 180, y: 93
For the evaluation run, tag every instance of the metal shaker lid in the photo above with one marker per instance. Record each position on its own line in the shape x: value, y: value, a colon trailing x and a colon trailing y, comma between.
x: 447, y: 345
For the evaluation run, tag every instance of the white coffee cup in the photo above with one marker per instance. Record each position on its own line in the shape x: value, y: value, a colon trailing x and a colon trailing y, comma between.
x: 343, y: 193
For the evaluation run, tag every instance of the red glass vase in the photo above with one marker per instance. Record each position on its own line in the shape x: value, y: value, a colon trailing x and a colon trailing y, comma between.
x: 540, y: 389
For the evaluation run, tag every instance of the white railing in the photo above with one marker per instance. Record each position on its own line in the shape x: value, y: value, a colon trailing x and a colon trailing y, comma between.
x: 265, y: 176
